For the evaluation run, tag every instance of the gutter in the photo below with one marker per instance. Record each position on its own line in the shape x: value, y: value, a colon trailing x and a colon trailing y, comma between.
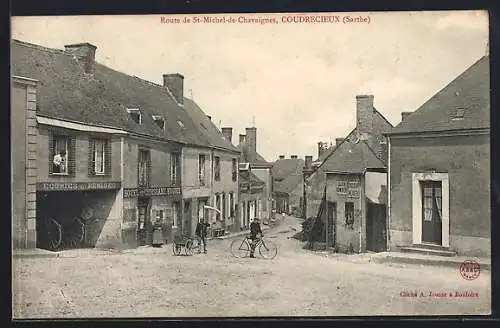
x: 388, y: 228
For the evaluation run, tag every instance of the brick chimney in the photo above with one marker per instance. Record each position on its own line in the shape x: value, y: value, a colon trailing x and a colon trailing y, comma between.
x: 252, y: 140
x: 405, y: 115
x: 282, y: 157
x: 175, y: 83
x: 364, y: 113
x: 308, y: 163
x: 85, y: 53
x: 321, y: 148
x: 228, y: 134
x: 294, y: 157
x: 243, y: 139
x: 338, y: 141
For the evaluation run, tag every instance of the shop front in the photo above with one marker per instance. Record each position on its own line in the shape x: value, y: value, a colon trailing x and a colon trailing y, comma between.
x: 142, y: 207
x: 74, y: 214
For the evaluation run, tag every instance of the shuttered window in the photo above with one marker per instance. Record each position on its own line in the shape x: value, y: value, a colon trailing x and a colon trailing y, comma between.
x: 144, y: 167
x: 60, y: 154
x: 99, y: 157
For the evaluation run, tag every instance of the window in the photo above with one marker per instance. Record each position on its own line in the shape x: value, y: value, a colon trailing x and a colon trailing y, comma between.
x: 99, y: 157
x: 201, y: 169
x: 235, y: 169
x: 175, y: 213
x: 217, y: 205
x: 349, y: 214
x: 459, y: 113
x: 159, y: 216
x: 174, y: 168
x: 60, y: 154
x: 135, y: 114
x: 144, y: 166
x: 159, y: 121
x: 217, y: 168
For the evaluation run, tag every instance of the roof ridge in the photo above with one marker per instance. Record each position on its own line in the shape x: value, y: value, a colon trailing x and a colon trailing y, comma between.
x: 42, y: 48
x: 383, y: 117
x: 373, y: 151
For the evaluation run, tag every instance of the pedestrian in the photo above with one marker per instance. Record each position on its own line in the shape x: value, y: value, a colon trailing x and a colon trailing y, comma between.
x: 255, y: 235
x: 201, y: 233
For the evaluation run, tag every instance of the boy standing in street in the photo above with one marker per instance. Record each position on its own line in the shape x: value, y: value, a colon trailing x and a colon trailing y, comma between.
x: 255, y: 235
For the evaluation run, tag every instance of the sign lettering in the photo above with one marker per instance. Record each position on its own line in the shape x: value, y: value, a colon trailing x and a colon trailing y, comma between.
x: 72, y: 186
x: 350, y: 188
x: 155, y: 191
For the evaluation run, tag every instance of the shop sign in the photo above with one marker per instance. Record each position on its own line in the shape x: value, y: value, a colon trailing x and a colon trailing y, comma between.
x: 350, y: 188
x: 75, y: 186
x: 148, y: 192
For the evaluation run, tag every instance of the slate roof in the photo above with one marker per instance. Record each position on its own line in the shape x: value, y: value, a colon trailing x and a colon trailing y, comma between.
x: 469, y: 91
x: 287, y: 174
x: 212, y: 133
x: 67, y: 92
x: 247, y: 176
x: 353, y: 157
x: 254, y: 159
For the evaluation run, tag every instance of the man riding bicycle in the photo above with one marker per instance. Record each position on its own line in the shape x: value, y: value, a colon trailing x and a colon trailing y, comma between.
x: 255, y: 235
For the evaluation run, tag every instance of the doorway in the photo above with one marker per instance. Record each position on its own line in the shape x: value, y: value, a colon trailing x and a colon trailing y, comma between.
x: 144, y: 229
x: 375, y: 227
x: 431, y: 212
x: 186, y: 225
x: 332, y: 221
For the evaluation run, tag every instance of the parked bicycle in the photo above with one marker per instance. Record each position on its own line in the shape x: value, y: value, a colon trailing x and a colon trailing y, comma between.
x: 186, y: 244
x: 49, y: 233
x: 241, y: 248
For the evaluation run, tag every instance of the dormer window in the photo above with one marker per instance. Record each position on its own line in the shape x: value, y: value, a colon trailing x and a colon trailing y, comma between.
x: 135, y: 114
x: 159, y: 121
x: 458, y: 114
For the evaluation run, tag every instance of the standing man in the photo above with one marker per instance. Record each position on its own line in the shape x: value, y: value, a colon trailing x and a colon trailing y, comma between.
x: 201, y: 233
x: 59, y: 162
x: 255, y: 235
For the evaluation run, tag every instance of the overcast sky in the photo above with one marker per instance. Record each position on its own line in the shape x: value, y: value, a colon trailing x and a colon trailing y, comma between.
x: 299, y: 81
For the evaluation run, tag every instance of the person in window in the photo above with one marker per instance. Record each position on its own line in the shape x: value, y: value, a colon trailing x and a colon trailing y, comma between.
x: 60, y: 162
x: 201, y: 233
x: 255, y: 235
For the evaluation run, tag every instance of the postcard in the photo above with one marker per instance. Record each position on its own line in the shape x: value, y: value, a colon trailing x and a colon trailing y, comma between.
x: 251, y: 165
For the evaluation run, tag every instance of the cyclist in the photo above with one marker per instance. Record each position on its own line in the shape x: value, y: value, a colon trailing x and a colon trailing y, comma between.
x: 255, y: 235
x: 201, y: 233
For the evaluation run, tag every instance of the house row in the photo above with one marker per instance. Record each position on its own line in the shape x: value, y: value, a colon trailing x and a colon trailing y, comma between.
x: 421, y: 186
x: 102, y: 156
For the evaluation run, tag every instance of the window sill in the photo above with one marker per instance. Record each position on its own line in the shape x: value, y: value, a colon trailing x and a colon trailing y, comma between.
x: 59, y: 174
x: 99, y: 174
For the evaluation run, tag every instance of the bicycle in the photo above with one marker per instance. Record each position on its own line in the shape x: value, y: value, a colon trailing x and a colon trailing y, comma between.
x: 241, y: 248
x: 189, y: 245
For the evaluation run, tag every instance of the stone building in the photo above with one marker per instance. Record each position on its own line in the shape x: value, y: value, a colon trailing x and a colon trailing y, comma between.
x: 439, y: 171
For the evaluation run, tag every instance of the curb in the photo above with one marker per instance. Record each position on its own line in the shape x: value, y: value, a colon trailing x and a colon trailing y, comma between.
x: 423, y: 261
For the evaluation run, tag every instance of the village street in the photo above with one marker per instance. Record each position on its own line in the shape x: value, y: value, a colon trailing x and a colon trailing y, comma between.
x: 150, y: 282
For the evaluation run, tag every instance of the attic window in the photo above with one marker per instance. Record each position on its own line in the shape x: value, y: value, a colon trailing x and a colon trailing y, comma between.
x: 159, y: 121
x: 135, y: 114
x: 244, y: 166
x: 458, y: 114
x: 180, y: 124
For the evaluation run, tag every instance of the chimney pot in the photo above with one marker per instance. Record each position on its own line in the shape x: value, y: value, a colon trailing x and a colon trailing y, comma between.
x: 85, y: 53
x: 175, y: 83
x: 294, y: 156
x: 228, y: 134
x: 282, y: 157
x: 405, y: 115
x: 364, y: 112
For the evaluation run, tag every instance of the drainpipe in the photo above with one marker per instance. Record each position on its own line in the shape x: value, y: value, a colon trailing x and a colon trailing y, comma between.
x: 388, y: 228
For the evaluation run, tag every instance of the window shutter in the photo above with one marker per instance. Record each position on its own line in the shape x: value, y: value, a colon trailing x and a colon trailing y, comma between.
x: 107, y: 158
x: 149, y: 169
x: 51, y: 152
x: 72, y: 156
x: 91, y: 157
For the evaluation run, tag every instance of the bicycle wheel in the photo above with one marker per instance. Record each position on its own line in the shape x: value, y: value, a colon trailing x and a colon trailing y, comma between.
x: 176, y: 249
x: 268, y: 249
x: 54, y: 234
x: 188, y: 249
x: 240, y: 248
